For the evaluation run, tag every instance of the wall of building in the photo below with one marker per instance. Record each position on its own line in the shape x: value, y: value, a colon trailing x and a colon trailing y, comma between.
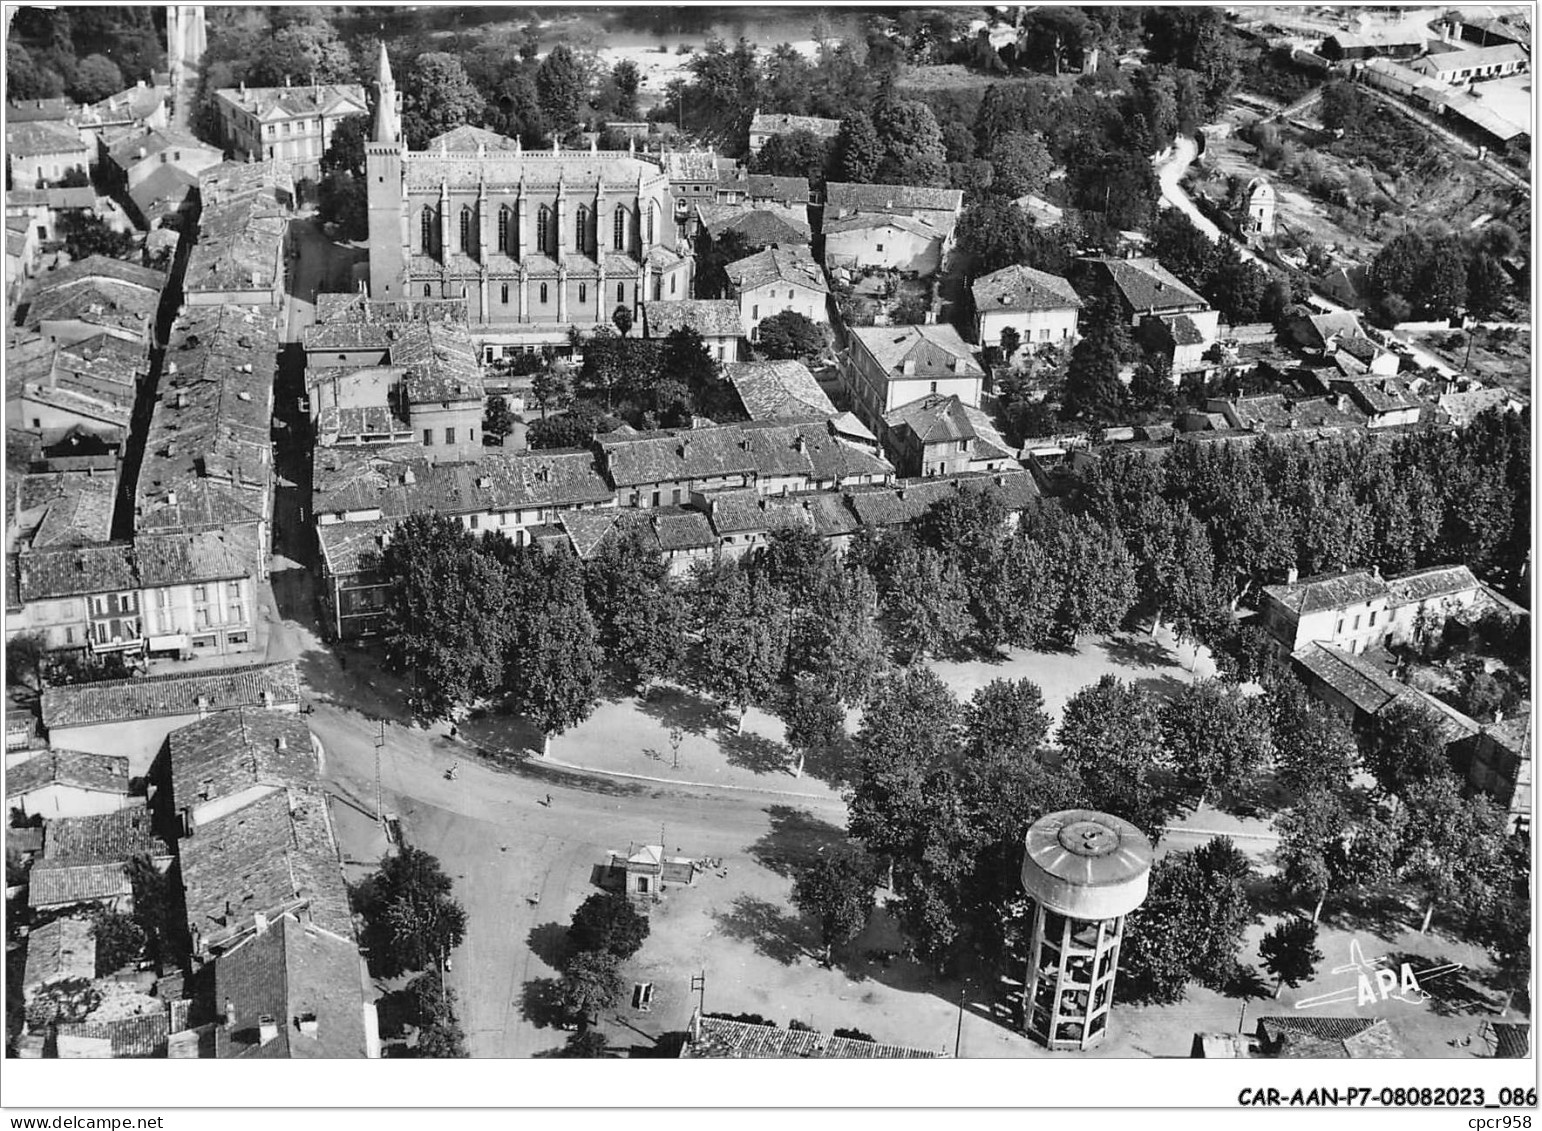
x: 759, y: 303
x: 52, y: 422
x: 54, y: 801
x: 884, y: 247
x: 218, y: 617
x: 450, y: 431
x: 1036, y: 328
x: 27, y: 171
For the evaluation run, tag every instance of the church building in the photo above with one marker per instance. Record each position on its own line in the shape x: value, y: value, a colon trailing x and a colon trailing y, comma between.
x: 537, y: 242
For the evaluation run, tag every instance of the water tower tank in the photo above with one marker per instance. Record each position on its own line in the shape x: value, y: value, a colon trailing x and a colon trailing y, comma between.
x: 1085, y: 871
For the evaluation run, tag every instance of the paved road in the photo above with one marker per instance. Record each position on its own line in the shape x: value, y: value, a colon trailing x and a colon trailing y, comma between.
x: 1174, y: 162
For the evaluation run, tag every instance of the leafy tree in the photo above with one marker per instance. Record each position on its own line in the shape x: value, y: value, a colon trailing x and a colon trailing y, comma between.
x: 345, y: 152
x: 591, y: 983
x: 550, y: 388
x: 119, y: 941
x: 1217, y: 736
x: 813, y: 717
x: 626, y: 78
x: 440, y: 1035
x: 837, y: 890
x: 1289, y: 950
x: 1450, y: 843
x: 497, y: 420
x: 1191, y: 925
x: 412, y: 913
x: 97, y: 77
x: 1313, y: 747
x: 791, y: 336
x: 858, y: 150
x: 1235, y: 286
x: 343, y: 199
x: 65, y: 1000
x: 29, y: 77
x: 994, y: 233
x: 1006, y: 719
x: 840, y: 640
x: 607, y: 922
x: 913, y: 153
x: 1092, y: 578
x: 552, y: 657
x: 302, y: 52
x: 1407, y: 746
x: 437, y: 96
x: 1488, y: 286
x: 443, y: 622
x: 26, y: 654
x: 724, y: 94
x: 1333, y: 842
x: 925, y: 602
x: 1051, y: 38
x: 1092, y: 386
x: 86, y: 234
x: 1021, y: 163
x: 797, y: 153
x: 1110, y: 738
x: 685, y: 358
x: 622, y: 317
x: 575, y: 428
x: 153, y: 906
x: 744, y: 630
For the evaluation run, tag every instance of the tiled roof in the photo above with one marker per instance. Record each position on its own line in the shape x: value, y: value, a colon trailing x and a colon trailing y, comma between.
x: 1273, y: 412
x: 36, y: 139
x: 829, y: 512
x: 1463, y: 408
x: 212, y: 420
x: 1380, y: 394
x: 80, y: 196
x: 658, y: 457
x: 163, y: 191
x: 232, y: 179
x: 788, y: 123
x: 1428, y: 584
x: 76, y: 571
x: 586, y: 530
x: 354, y: 547
x: 709, y: 317
x: 265, y: 856
x: 1183, y: 331
x: 104, y: 267
x: 844, y: 199
x: 157, y: 696
x: 102, y: 291
x: 468, y: 139
x: 1144, y: 284
x: 722, y: 1039
x: 1473, y: 57
x: 691, y: 165
x: 400, y: 481
x: 1364, y: 684
x: 911, y: 498
x: 80, y: 516
x: 1023, y: 288
x: 275, y: 103
x: 235, y: 750
x: 1328, y: 591
x: 41, y: 110
x: 99, y: 773
x: 59, y: 949
x: 679, y: 528
x: 65, y: 948
x: 307, y: 981
x: 933, y: 348
x: 1327, y: 1037
x: 51, y: 884
x: 441, y: 362
x: 103, y: 838
x: 865, y: 221
x: 145, y: 1035
x: 761, y: 225
x: 933, y: 420
x: 1512, y: 1041
x: 206, y: 555
x: 617, y: 170
x: 776, y: 265
x: 132, y: 105
x: 131, y: 150
x: 774, y: 389
x: 782, y: 190
x: 240, y: 244
x: 746, y: 511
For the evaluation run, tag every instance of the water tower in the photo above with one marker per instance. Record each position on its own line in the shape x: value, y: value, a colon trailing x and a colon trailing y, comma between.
x: 1085, y: 871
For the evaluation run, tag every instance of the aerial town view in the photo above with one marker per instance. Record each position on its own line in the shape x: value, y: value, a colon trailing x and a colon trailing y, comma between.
x: 729, y: 532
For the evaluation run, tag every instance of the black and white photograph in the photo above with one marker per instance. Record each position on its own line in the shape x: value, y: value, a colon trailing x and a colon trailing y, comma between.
x: 770, y: 532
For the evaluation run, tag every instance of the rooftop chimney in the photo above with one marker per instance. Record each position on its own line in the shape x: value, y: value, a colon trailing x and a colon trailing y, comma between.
x: 267, y: 1028
x: 230, y: 1014
x: 260, y: 921
x: 281, y: 743
x: 307, y: 1024
x: 908, y: 367
x: 1291, y: 575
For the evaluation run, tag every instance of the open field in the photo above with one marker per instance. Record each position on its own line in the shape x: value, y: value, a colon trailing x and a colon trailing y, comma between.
x: 1502, y: 358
